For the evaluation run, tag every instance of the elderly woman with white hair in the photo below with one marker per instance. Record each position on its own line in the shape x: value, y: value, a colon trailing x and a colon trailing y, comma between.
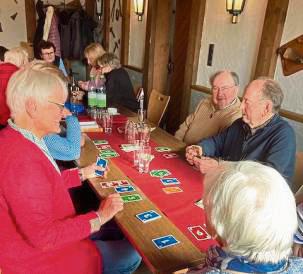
x: 251, y: 212
x: 14, y: 59
x: 40, y: 231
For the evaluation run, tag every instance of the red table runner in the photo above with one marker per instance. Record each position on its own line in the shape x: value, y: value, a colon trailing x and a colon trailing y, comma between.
x: 178, y: 207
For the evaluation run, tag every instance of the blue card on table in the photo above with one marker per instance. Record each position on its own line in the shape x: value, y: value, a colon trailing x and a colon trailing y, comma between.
x: 122, y: 189
x: 148, y: 216
x: 103, y: 163
x: 165, y: 241
x: 170, y: 181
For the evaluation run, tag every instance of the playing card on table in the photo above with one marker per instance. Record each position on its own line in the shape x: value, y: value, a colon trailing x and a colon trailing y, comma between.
x: 159, y: 173
x: 102, y: 147
x: 129, y: 147
x: 199, y: 232
x: 170, y: 155
x: 122, y: 189
x: 170, y: 181
x: 114, y: 183
x: 108, y: 153
x: 148, y: 216
x: 100, y: 142
x: 165, y: 241
x: 162, y: 149
x: 172, y: 189
x: 199, y: 203
x: 131, y: 198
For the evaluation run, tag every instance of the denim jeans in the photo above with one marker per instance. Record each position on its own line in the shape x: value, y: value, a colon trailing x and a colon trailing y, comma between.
x: 119, y: 257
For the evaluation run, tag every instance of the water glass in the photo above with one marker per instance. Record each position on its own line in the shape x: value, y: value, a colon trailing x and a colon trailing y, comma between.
x: 132, y: 132
x: 107, y: 122
x: 138, y: 144
x: 145, y: 158
x: 144, y: 133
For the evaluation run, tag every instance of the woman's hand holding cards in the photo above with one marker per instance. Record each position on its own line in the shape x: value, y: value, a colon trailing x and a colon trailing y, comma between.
x: 90, y: 171
x: 192, y: 152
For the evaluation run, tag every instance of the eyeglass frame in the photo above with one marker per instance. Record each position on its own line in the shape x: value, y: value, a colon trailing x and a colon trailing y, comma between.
x: 61, y: 106
x: 217, y: 89
x: 48, y: 53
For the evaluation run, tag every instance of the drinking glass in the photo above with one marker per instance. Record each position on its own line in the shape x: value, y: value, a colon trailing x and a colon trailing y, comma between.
x: 138, y: 144
x: 145, y: 158
x: 132, y: 132
x: 144, y: 133
x: 107, y: 122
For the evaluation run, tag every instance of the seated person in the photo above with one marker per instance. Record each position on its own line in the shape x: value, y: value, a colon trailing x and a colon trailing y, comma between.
x: 251, y: 212
x: 214, y: 114
x: 2, y: 51
x: 47, y: 52
x: 68, y: 147
x: 92, y: 52
x: 40, y: 231
x: 261, y: 135
x: 119, y: 89
x: 13, y: 60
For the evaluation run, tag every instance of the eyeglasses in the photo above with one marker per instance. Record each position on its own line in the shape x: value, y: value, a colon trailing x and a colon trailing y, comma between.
x: 216, y: 89
x: 61, y: 106
x: 48, y: 53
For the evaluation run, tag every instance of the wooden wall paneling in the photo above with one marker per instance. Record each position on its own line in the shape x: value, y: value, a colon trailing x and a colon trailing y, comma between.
x: 30, y: 15
x: 193, y: 51
x: 156, y: 46
x: 125, y: 31
x: 90, y: 7
x: 271, y: 37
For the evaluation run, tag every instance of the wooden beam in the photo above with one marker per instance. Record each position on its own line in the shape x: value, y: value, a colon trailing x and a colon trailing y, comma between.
x: 90, y: 7
x: 271, y: 37
x: 125, y: 31
x: 30, y: 15
x: 193, y: 51
x: 106, y: 25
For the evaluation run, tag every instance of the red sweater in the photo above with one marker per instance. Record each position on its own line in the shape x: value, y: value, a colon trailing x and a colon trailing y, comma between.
x: 6, y: 71
x: 39, y: 231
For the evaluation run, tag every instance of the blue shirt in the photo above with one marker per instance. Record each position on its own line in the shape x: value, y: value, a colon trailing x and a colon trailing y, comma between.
x: 69, y: 147
x: 273, y: 145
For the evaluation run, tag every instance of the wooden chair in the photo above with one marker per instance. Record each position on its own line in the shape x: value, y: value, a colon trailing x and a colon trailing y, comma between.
x: 298, y: 177
x: 157, y: 105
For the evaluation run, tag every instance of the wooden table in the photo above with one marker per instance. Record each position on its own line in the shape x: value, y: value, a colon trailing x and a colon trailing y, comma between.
x: 167, y: 260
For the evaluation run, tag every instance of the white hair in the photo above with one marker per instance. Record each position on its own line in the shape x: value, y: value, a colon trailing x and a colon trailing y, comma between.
x: 38, y: 80
x: 253, y: 211
x: 17, y: 56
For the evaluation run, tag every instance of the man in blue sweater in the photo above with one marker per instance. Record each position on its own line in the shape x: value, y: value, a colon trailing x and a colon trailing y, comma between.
x: 260, y: 135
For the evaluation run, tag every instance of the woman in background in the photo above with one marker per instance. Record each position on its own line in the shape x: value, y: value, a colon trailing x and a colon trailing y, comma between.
x: 119, y: 89
x: 13, y: 60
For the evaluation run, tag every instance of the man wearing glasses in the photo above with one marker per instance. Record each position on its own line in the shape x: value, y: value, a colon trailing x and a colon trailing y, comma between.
x: 213, y: 114
x: 261, y: 135
x: 47, y: 52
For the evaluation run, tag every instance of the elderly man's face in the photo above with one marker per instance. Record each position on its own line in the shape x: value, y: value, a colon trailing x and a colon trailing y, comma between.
x: 224, y: 90
x: 254, y: 106
x: 51, y: 113
x: 48, y: 55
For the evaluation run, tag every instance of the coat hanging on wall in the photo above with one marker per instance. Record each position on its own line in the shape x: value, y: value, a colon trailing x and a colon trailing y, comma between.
x: 291, y: 55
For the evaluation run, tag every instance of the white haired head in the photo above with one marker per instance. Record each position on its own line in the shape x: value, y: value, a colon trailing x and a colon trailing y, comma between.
x: 252, y: 210
x: 37, y: 80
x: 17, y: 56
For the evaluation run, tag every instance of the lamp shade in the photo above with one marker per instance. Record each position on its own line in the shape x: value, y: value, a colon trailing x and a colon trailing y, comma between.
x: 235, y: 7
x: 139, y: 8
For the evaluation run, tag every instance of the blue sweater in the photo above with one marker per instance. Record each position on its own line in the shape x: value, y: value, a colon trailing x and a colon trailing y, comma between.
x: 273, y: 145
x: 69, y: 147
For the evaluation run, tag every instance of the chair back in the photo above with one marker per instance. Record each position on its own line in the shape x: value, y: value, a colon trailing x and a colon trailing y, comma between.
x: 157, y: 105
x: 298, y: 177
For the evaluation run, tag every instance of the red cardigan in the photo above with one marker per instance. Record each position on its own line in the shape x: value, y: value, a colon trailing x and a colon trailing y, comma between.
x: 39, y: 231
x: 6, y: 71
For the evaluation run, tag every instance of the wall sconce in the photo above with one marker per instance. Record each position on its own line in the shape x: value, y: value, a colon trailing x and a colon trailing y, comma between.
x: 99, y: 8
x: 235, y: 7
x: 139, y: 8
